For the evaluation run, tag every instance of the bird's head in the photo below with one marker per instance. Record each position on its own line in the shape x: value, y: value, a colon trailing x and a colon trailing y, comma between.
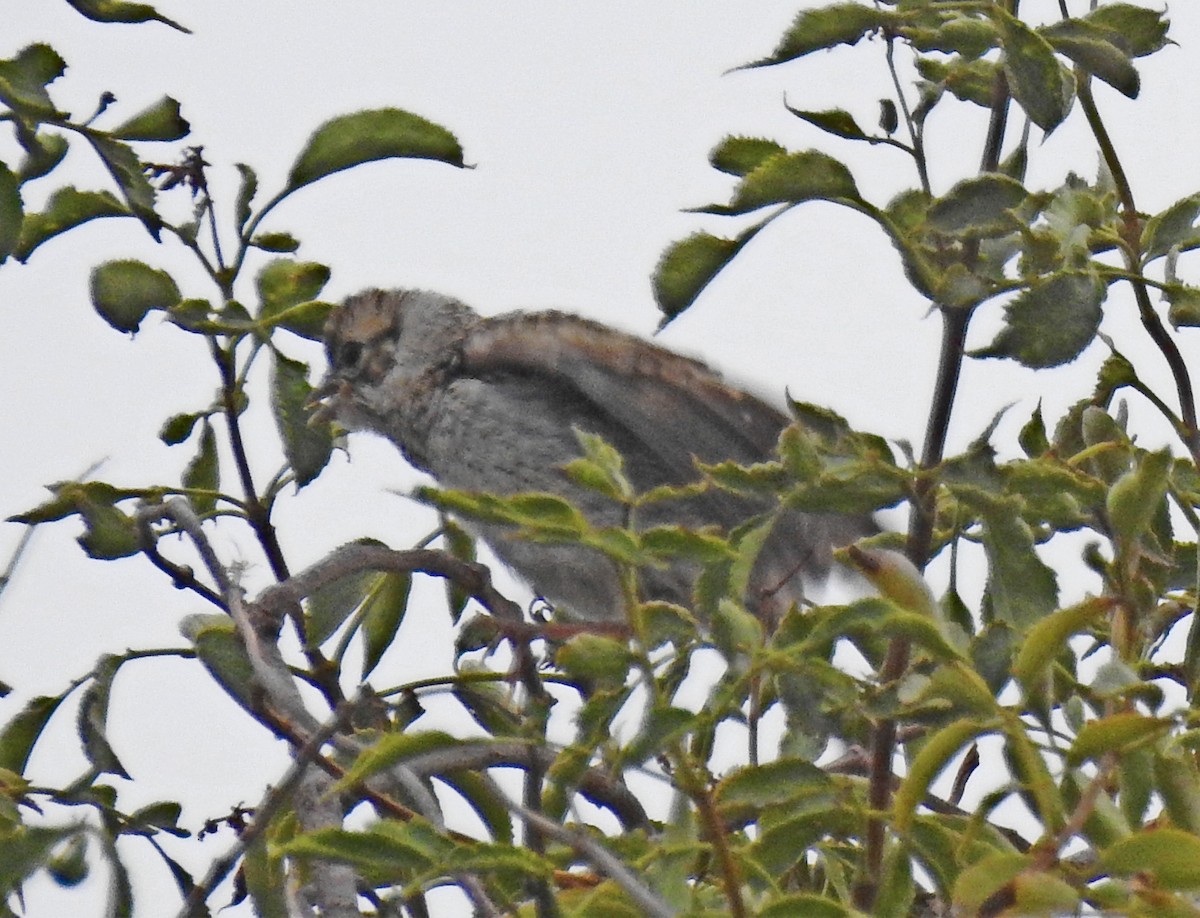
x: 384, y: 347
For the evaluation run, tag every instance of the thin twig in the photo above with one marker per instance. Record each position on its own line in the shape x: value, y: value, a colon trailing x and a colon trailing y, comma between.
x: 306, y: 755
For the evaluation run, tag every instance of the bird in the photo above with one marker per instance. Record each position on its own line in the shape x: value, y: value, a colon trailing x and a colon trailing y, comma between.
x: 493, y: 404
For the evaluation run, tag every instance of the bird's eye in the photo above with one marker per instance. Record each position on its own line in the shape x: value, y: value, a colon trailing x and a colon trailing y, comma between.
x: 349, y: 354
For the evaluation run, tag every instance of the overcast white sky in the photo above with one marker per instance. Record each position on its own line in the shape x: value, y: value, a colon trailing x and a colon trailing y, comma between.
x: 589, y: 125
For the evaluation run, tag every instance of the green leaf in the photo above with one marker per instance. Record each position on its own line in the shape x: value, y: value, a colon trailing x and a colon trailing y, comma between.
x: 1178, y: 780
x: 792, y: 178
x: 981, y: 207
x: 108, y: 532
x: 810, y: 905
x: 120, y: 11
x: 935, y: 754
x: 23, y: 81
x: 383, y: 608
x: 1048, y: 638
x: 602, y: 468
x: 990, y: 876
x: 123, y: 292
x: 24, y: 729
x: 971, y: 81
x: 1184, y: 309
x: 11, y: 212
x: 93, y: 716
x: 1137, y: 495
x: 362, y: 137
x: 1175, y: 226
x: 307, y: 447
x: 1120, y: 733
x: 285, y: 283
x: 330, y: 605
x: 1021, y: 588
x: 1169, y: 857
x: 43, y: 152
x: 662, y: 726
x: 1096, y: 51
x: 837, y: 121
x: 67, y: 208
x: 688, y: 266
x: 203, y: 473
x: 1050, y: 323
x: 1142, y: 31
x: 740, y: 155
x: 275, y: 242
x: 246, y: 192
x: 126, y: 169
x: 596, y: 661
x: 160, y: 121
x: 220, y: 650
x: 305, y: 319
x: 969, y: 37
x: 1035, y: 76
x: 771, y: 783
x: 178, y: 428
x: 819, y: 29
x: 392, y: 749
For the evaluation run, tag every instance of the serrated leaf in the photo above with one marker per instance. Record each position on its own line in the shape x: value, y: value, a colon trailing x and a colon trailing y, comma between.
x: 979, y: 207
x: 1142, y: 31
x: 681, y: 542
x: 307, y: 447
x: 203, y: 473
x: 1095, y: 50
x: 124, y: 291
x: 740, y: 155
x: 1035, y: 76
x: 1050, y: 323
x: 1174, y: 226
x: 771, y: 783
x: 383, y: 612
x: 837, y: 121
x: 792, y: 178
x: 160, y: 121
x: 67, y: 208
x: 688, y: 266
x: 361, y: 137
x: 1021, y: 588
x: 126, y: 169
x: 23, y: 81
x: 11, y: 212
x: 121, y: 11
x: 827, y: 27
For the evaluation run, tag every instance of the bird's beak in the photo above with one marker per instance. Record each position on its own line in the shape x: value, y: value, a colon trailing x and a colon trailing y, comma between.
x: 323, y: 401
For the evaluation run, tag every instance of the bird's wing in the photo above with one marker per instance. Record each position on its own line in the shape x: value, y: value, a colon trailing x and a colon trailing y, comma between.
x: 670, y: 405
